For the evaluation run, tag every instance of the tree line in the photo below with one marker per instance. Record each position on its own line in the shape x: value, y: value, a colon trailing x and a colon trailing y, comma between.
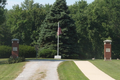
x: 84, y: 26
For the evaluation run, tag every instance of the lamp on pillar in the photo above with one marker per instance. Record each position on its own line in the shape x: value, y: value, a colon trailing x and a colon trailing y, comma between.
x: 107, y: 49
x: 15, y: 48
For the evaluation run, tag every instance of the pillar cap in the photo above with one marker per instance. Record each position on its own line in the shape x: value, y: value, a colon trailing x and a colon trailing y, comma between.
x: 107, y: 41
x: 15, y: 39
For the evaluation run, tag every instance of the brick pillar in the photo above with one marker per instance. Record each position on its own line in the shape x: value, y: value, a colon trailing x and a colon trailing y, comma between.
x: 107, y: 49
x: 15, y: 48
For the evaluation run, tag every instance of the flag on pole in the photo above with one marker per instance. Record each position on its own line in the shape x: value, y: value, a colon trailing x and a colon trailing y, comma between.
x: 58, y: 33
x: 59, y: 30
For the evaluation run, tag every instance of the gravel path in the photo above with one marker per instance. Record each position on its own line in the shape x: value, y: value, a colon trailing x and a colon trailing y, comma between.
x: 91, y: 71
x: 40, y: 70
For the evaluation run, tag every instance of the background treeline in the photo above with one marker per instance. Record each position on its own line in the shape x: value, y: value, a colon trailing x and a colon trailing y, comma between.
x: 94, y: 23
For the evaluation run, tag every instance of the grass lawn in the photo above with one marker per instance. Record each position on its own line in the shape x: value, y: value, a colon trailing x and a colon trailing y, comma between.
x: 69, y: 71
x: 10, y: 71
x: 112, y: 68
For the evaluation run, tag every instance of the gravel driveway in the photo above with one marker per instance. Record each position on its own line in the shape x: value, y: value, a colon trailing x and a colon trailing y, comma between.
x: 40, y: 70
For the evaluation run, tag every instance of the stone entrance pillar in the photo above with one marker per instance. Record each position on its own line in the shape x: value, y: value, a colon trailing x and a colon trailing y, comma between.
x: 107, y: 49
x: 15, y: 48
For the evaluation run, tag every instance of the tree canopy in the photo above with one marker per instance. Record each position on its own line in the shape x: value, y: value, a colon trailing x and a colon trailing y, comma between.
x: 84, y: 26
x: 25, y: 21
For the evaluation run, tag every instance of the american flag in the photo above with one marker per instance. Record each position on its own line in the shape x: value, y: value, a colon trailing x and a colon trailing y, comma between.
x: 59, y: 30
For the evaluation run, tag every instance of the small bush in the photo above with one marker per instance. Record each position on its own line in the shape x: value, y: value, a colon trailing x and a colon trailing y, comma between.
x: 5, y: 51
x: 47, y: 53
x: 65, y: 56
x: 74, y: 56
x: 15, y: 60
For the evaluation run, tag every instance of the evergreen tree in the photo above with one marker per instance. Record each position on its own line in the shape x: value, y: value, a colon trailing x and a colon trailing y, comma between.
x: 48, y: 33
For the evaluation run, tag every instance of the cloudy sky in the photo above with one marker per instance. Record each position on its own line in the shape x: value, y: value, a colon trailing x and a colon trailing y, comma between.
x: 11, y: 3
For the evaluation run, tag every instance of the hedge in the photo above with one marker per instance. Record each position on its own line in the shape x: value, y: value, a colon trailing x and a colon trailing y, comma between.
x: 24, y: 51
x: 5, y: 51
x: 47, y: 53
x: 27, y: 51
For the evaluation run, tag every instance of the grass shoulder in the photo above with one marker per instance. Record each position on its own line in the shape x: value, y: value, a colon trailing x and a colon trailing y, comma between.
x: 68, y: 70
x: 112, y: 68
x: 10, y: 71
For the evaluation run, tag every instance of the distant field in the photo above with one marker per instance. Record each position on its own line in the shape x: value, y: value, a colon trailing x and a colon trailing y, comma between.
x: 10, y: 71
x: 112, y: 68
x: 69, y: 71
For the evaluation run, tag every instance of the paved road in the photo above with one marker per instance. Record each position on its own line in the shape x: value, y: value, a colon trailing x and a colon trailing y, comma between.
x: 91, y: 71
x: 40, y: 70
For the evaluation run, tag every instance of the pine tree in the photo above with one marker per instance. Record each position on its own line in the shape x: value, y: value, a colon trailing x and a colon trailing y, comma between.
x: 48, y: 32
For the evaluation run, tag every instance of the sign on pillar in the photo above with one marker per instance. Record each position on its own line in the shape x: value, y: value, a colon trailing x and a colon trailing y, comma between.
x: 15, y: 48
x: 107, y: 49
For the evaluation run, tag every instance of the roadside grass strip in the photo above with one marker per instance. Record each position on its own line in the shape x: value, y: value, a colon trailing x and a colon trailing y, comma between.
x: 69, y: 71
x: 112, y: 68
x: 10, y: 71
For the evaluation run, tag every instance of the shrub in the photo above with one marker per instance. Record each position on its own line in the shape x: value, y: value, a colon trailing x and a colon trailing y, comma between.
x: 24, y: 51
x: 27, y: 51
x: 74, y: 56
x: 47, y: 53
x: 5, y: 51
x: 15, y: 60
x: 65, y: 56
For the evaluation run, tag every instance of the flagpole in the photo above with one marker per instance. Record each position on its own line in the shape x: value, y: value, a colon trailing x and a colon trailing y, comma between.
x: 58, y: 33
x: 58, y: 42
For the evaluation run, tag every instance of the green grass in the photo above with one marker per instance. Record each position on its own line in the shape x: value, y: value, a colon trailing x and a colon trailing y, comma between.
x: 10, y: 71
x: 69, y: 71
x: 112, y: 68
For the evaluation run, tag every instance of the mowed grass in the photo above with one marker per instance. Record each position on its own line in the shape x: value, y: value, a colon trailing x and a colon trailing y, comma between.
x: 69, y: 71
x: 112, y: 68
x: 10, y: 71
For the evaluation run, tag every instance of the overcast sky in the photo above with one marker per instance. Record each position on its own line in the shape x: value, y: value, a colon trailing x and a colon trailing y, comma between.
x: 11, y: 3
